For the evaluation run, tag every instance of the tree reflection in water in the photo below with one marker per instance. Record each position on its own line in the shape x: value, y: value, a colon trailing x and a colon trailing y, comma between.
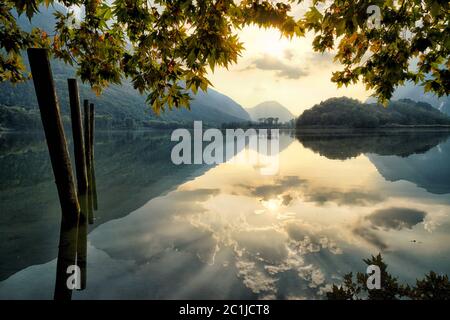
x: 432, y: 287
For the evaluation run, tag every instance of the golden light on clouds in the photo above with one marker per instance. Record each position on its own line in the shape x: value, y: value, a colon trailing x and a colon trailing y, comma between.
x: 285, y: 70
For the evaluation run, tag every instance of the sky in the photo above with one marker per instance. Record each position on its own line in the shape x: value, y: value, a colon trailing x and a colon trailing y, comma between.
x: 287, y: 71
x: 275, y: 68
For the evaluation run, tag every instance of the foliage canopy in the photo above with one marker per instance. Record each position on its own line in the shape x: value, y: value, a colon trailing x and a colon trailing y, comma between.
x: 166, y: 46
x: 432, y: 287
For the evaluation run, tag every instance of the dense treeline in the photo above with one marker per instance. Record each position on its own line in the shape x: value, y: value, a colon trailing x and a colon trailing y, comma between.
x: 258, y: 125
x: 19, y: 118
x: 22, y: 119
x: 348, y: 144
x: 350, y: 113
x: 16, y: 118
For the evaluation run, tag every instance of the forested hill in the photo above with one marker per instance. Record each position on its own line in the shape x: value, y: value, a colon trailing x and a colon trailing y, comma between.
x: 118, y: 106
x: 350, y: 113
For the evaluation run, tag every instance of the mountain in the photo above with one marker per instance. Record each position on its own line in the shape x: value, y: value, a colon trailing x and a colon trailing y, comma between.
x: 397, y: 155
x: 118, y: 106
x: 416, y: 168
x: 350, y: 113
x: 270, y: 109
x: 415, y: 92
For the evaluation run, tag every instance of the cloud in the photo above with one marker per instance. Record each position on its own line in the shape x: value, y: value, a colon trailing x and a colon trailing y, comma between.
x: 256, y: 280
x: 268, y: 245
x: 387, y: 219
x: 289, y: 188
x: 368, y: 235
x: 308, y: 239
x: 283, y: 70
x: 320, y: 59
x: 289, y: 54
x: 315, y: 59
x: 349, y: 198
x: 197, y: 195
x: 287, y: 199
x: 278, y: 188
x: 396, y: 218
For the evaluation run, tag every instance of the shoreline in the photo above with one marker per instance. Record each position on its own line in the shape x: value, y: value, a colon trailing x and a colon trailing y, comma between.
x: 385, y: 129
x: 312, y: 129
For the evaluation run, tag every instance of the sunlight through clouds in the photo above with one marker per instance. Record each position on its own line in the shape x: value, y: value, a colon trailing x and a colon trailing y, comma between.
x: 290, y: 71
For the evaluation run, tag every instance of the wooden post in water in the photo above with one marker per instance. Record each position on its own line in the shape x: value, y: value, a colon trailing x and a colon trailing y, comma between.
x: 87, y: 147
x: 59, y: 156
x: 66, y: 273
x: 92, y: 139
x: 81, y: 173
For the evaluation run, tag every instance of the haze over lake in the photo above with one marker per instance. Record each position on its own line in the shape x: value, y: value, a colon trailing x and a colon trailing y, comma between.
x: 226, y: 231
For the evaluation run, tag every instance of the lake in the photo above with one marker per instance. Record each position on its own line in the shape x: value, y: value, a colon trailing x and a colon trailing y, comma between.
x: 166, y: 231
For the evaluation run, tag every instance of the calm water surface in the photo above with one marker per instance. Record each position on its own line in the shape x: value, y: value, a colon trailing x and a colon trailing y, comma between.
x: 226, y: 231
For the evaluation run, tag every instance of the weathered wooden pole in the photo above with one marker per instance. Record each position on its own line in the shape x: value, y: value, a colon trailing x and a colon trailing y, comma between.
x: 94, y: 186
x: 59, y: 156
x: 82, y: 251
x: 87, y: 147
x: 78, y: 142
x: 54, y: 131
x: 92, y: 139
x: 81, y: 173
x: 67, y: 277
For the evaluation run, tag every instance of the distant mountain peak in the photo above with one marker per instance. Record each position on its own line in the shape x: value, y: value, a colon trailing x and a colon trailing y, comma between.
x: 416, y: 93
x: 268, y: 109
x: 269, y: 102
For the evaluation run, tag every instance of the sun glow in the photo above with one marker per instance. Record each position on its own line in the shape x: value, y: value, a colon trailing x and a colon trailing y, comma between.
x: 262, y: 65
x: 276, y: 47
x: 273, y: 44
x: 271, y: 204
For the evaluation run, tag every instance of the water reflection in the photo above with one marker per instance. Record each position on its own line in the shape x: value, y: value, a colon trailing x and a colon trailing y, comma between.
x: 349, y: 144
x: 228, y: 232
x: 67, y: 259
x: 400, y: 155
x: 131, y: 168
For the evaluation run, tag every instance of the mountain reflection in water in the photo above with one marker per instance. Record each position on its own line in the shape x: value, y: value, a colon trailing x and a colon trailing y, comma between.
x: 226, y: 231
